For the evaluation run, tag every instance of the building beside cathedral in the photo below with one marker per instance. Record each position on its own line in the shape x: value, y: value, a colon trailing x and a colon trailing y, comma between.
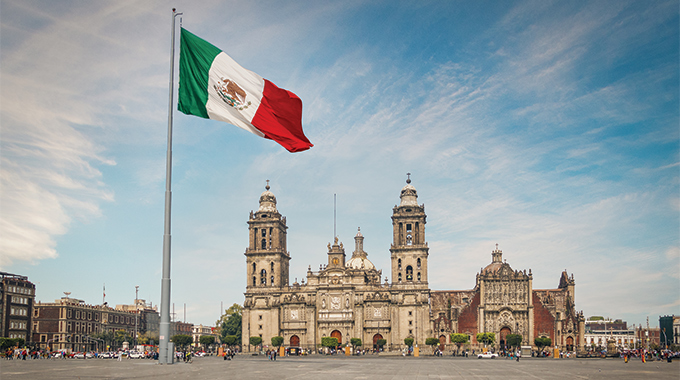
x: 346, y: 298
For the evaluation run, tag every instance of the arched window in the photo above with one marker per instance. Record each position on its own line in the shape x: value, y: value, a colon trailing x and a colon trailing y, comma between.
x: 399, y: 264
x: 272, y: 266
x: 418, y: 276
x: 263, y: 277
x: 254, y: 281
x: 264, y: 243
x: 418, y: 263
x: 399, y: 276
x: 272, y: 281
x: 254, y: 268
x: 409, y: 239
x: 409, y: 273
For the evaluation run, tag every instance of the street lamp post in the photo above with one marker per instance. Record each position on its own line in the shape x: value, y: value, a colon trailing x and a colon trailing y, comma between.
x: 136, y: 312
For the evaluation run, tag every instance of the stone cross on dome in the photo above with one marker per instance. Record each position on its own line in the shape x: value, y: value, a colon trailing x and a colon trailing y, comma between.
x: 408, y: 180
x: 267, y: 187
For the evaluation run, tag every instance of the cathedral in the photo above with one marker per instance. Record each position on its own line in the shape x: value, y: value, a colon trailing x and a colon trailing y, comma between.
x: 346, y: 298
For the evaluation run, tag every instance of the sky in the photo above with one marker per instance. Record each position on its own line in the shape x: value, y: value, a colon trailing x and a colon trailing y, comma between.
x: 550, y: 128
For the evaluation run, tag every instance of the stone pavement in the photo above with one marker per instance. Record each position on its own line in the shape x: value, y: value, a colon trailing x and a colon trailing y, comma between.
x: 340, y: 367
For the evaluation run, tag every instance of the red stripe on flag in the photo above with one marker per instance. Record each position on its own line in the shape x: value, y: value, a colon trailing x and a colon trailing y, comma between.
x: 279, y: 117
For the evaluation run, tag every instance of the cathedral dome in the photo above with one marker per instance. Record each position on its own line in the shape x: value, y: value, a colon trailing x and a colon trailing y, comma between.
x: 267, y: 200
x: 409, y: 195
x: 359, y: 260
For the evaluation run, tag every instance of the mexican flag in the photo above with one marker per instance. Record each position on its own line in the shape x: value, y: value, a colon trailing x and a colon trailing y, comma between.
x: 214, y: 86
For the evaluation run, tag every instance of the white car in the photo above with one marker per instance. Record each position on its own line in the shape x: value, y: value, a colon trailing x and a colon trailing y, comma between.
x: 136, y: 355
x: 106, y: 355
x: 487, y: 355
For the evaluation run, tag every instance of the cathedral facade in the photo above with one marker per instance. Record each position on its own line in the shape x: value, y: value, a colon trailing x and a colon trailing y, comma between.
x: 346, y: 298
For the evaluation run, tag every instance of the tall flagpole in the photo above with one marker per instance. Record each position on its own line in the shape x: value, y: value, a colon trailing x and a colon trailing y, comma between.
x: 164, y: 356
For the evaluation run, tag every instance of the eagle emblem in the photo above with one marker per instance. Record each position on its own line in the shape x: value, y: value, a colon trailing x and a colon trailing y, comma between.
x: 231, y: 93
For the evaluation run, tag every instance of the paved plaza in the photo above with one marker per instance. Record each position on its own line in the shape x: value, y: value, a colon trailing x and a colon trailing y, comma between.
x: 340, y: 367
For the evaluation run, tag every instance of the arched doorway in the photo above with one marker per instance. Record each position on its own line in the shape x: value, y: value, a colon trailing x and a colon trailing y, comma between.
x: 442, y: 343
x: 504, y: 332
x: 570, y: 344
x: 295, y: 341
x: 376, y: 337
x: 337, y: 334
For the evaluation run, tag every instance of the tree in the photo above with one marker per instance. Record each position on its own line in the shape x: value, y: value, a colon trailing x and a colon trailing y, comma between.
x: 277, y: 341
x: 182, y: 340
x: 459, y: 339
x: 206, y: 340
x: 486, y: 338
x: 255, y: 341
x: 545, y: 342
x: 381, y: 342
x: 433, y: 342
x: 408, y: 342
x: 329, y: 341
x: 121, y: 336
x: 230, y: 323
x: 230, y: 340
x: 143, y: 338
x: 355, y: 342
x: 513, y: 340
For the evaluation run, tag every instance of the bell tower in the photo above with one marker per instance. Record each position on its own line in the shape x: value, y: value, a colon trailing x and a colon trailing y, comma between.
x: 409, y: 250
x: 267, y: 260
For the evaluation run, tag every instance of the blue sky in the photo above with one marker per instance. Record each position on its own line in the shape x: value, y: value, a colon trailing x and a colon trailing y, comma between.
x: 550, y: 128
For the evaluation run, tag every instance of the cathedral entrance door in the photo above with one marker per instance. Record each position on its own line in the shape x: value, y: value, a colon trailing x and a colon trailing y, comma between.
x: 442, y: 342
x: 295, y: 341
x: 504, y: 332
x: 376, y: 337
x: 337, y: 334
x: 570, y: 344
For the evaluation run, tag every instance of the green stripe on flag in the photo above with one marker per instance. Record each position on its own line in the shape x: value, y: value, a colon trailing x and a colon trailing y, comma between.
x: 195, y: 58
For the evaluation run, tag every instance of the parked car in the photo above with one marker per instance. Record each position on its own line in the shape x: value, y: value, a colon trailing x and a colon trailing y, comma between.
x: 106, y: 355
x: 487, y: 355
x: 79, y: 355
x: 136, y: 355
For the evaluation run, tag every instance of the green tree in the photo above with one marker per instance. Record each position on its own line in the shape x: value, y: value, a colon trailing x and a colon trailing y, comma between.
x: 381, y: 342
x: 206, y: 340
x: 408, y: 342
x: 255, y: 341
x: 545, y: 342
x: 230, y: 322
x: 121, y: 336
x: 182, y: 340
x: 143, y: 338
x: 277, y: 341
x: 459, y: 339
x: 432, y: 342
x: 355, y: 342
x: 513, y: 340
x: 230, y: 340
x: 329, y: 341
x: 486, y: 338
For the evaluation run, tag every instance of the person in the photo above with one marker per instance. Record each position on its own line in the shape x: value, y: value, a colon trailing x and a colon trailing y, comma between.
x: 519, y: 354
x: 274, y: 354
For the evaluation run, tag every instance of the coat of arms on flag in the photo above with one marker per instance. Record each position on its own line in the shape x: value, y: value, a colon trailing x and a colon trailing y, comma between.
x: 231, y: 93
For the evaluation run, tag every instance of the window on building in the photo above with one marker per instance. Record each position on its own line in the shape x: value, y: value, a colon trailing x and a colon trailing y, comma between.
x: 254, y: 268
x: 271, y: 281
x: 409, y: 239
x: 418, y: 276
x: 254, y: 281
x: 399, y: 264
x: 264, y: 244
x: 410, y: 313
x: 418, y: 263
x: 263, y: 277
x: 399, y: 276
x: 409, y: 273
x: 408, y: 227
